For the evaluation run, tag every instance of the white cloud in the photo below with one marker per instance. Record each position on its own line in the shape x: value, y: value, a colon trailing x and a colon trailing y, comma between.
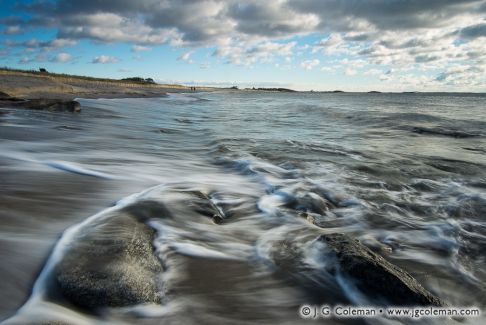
x: 309, y: 64
x: 61, y: 42
x: 11, y: 30
x: 103, y: 59
x: 334, y: 44
x: 373, y: 72
x: 246, y: 54
x: 350, y: 72
x: 186, y: 57
x: 140, y: 48
x: 62, y: 57
x: 354, y: 63
x: 328, y: 69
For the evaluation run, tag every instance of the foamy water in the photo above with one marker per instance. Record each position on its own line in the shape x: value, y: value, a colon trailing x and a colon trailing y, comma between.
x: 404, y: 173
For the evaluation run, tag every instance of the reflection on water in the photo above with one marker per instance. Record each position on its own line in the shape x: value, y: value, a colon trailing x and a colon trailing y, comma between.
x: 251, y: 181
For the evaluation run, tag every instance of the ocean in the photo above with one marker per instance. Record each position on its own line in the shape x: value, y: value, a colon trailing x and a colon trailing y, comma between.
x: 405, y: 174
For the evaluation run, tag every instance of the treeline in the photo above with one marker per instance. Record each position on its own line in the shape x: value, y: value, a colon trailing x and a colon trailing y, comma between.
x: 272, y: 89
x: 140, y: 80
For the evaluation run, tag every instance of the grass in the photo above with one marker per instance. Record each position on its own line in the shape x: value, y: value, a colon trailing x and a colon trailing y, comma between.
x: 69, y: 77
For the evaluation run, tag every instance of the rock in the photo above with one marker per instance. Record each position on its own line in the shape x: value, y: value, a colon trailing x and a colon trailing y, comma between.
x: 310, y: 202
x: 204, y: 205
x: 51, y: 105
x: 375, y: 276
x: 111, y: 262
x: 444, y: 132
x: 4, y: 97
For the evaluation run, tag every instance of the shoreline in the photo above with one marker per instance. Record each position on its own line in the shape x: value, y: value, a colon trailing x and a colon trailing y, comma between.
x: 27, y: 85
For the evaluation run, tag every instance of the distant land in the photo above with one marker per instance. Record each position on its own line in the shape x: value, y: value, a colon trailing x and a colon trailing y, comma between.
x: 28, y: 84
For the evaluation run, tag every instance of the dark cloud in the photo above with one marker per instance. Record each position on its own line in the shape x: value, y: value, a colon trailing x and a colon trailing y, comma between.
x: 207, y: 22
x: 269, y: 19
x: 387, y: 14
x: 11, y: 20
x: 474, y: 31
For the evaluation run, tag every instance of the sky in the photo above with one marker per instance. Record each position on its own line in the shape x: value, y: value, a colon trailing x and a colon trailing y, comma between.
x: 350, y: 45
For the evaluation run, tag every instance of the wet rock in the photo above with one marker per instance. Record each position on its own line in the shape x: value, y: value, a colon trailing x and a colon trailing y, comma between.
x: 111, y: 262
x: 51, y: 105
x: 4, y: 95
x: 310, y: 202
x: 42, y: 104
x: 203, y: 204
x: 444, y: 132
x: 6, y: 98
x: 375, y: 276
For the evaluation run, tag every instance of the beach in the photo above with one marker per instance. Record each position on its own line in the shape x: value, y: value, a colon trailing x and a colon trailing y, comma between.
x: 34, y: 84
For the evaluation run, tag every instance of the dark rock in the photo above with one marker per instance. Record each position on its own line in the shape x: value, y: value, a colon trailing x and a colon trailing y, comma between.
x: 51, y: 105
x: 444, y: 132
x: 375, y: 276
x: 217, y: 219
x: 203, y: 204
x: 4, y: 97
x: 111, y: 262
x: 310, y: 202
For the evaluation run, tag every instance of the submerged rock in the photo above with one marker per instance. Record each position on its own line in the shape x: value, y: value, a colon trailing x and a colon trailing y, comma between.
x: 444, y: 132
x: 203, y: 204
x: 111, y: 262
x: 375, y: 276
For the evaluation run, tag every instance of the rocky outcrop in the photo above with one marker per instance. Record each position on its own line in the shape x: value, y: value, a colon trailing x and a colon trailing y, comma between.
x: 43, y: 104
x: 51, y: 105
x: 111, y: 262
x: 374, y: 275
x: 4, y: 97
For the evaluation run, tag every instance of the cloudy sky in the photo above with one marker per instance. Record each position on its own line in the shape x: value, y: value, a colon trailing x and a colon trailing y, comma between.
x: 353, y: 45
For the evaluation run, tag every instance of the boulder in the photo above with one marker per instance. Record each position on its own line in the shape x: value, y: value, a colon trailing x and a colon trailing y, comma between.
x: 51, y: 105
x: 111, y: 261
x: 43, y: 104
x: 375, y: 276
x: 4, y: 97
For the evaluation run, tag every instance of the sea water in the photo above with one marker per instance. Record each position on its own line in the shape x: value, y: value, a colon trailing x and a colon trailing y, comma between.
x: 403, y: 173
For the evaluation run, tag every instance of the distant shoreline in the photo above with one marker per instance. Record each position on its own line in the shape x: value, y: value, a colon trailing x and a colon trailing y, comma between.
x: 30, y: 84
